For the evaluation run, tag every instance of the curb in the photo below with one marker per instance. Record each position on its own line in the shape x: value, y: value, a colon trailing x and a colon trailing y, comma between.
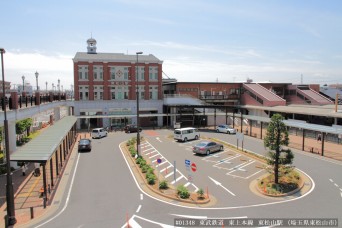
x: 301, y: 185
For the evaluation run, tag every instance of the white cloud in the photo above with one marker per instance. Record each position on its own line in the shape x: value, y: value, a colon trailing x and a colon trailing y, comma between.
x: 50, y: 68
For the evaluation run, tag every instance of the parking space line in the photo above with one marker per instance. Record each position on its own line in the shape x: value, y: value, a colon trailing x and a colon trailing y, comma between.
x: 169, y: 175
x: 154, y: 155
x: 165, y: 168
x: 174, y: 181
x: 254, y: 174
x: 161, y: 164
x: 151, y: 152
x: 226, y: 161
x: 238, y: 166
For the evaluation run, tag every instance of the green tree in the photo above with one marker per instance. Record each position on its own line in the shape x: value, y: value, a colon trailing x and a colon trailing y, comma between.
x: 276, y: 137
x: 23, y: 125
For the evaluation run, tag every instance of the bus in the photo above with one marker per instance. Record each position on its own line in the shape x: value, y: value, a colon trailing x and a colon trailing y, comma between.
x: 185, y: 134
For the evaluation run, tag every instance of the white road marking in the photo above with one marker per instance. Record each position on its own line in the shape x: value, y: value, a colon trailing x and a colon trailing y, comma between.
x: 254, y: 174
x: 165, y: 168
x: 158, y: 139
x: 219, y: 184
x: 68, y: 196
x: 141, y: 196
x: 187, y: 184
x: 154, y: 155
x: 137, y: 211
x: 216, y: 208
x: 169, y: 175
x: 206, y: 217
x: 174, y: 181
x: 151, y: 152
x: 331, y: 180
x: 134, y: 224
x: 336, y: 185
x: 161, y: 164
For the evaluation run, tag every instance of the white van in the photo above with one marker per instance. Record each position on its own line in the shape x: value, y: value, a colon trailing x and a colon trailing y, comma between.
x: 98, y: 133
x: 185, y: 134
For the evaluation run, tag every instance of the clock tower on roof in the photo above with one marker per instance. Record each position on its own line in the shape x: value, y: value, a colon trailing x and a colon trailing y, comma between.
x: 91, y: 49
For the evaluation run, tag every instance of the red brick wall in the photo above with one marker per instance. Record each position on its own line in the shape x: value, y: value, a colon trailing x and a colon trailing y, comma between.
x: 106, y: 76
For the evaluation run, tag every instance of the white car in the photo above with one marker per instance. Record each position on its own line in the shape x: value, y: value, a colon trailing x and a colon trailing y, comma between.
x: 98, y: 133
x: 225, y: 129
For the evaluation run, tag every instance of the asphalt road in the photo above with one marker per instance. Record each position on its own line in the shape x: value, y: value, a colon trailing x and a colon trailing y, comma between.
x: 105, y: 194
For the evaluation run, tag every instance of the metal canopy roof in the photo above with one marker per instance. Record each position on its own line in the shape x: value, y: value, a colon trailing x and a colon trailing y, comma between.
x: 298, y: 124
x: 41, y: 148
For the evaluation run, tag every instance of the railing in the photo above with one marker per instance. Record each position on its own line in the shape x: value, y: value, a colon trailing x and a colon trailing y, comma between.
x: 219, y: 97
x: 26, y: 101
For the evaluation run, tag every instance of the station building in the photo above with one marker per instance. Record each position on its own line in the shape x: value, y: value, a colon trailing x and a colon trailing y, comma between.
x: 106, y: 84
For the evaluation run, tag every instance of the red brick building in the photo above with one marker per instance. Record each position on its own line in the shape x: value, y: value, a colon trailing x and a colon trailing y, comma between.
x: 103, y: 77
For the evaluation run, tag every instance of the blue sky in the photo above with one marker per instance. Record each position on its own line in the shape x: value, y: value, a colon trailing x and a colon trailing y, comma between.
x: 198, y: 40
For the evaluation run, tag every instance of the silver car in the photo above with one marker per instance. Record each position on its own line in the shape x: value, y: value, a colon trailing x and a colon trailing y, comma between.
x: 207, y: 147
x: 225, y: 129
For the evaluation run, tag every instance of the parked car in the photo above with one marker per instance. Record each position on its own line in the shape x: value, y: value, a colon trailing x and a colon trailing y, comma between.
x: 225, y: 129
x: 98, y: 133
x: 207, y: 147
x: 84, y: 145
x: 132, y: 128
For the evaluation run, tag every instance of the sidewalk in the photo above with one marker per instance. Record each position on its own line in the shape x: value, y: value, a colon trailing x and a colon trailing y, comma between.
x: 331, y: 150
x: 28, y: 197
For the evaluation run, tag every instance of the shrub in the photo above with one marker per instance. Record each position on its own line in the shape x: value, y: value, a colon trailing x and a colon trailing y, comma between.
x: 138, y: 160
x: 150, y: 170
x: 151, y: 178
x: 142, y: 163
x: 163, y: 185
x: 144, y: 168
x: 133, y: 153
x: 183, y: 192
x: 200, y: 193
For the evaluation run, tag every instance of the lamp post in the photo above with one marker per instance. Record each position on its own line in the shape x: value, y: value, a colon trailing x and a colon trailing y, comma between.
x: 37, y: 74
x: 23, y: 77
x: 137, y: 95
x: 11, y: 220
x: 62, y: 88
x: 59, y: 86
x: 53, y: 86
x: 71, y: 86
x: 46, y: 86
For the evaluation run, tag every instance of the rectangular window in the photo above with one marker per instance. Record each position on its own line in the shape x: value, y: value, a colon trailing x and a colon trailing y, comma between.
x: 126, y: 73
x: 113, y: 95
x: 83, y: 72
x: 112, y: 73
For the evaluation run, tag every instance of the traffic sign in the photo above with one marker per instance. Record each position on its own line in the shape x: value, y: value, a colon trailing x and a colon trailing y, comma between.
x: 193, y: 167
x: 159, y: 160
x: 187, y: 163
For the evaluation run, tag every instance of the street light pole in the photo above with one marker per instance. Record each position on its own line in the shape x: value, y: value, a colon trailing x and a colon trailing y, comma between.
x: 137, y: 95
x: 59, y: 86
x: 46, y: 86
x: 37, y: 74
x: 53, y: 86
x: 23, y: 77
x: 11, y: 220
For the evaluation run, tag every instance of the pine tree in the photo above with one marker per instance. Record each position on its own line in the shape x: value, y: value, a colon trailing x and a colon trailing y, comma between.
x: 276, y: 137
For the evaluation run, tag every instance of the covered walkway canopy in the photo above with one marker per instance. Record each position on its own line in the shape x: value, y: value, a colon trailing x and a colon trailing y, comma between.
x: 49, y: 149
x: 41, y: 148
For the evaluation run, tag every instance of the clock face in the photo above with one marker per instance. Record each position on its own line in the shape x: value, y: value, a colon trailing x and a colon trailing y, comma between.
x: 119, y: 73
